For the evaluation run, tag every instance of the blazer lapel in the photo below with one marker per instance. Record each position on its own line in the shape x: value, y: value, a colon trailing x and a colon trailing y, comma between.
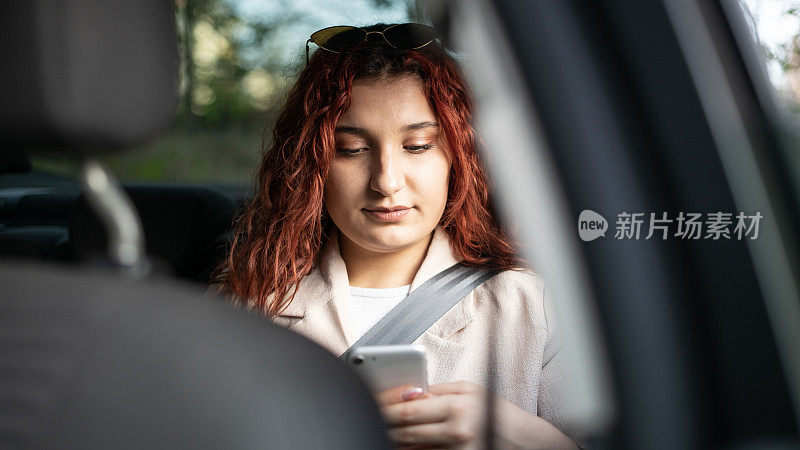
x: 321, y: 307
x: 441, y: 256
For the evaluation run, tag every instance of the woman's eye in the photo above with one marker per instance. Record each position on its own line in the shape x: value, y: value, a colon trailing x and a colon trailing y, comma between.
x: 418, y: 148
x: 350, y: 151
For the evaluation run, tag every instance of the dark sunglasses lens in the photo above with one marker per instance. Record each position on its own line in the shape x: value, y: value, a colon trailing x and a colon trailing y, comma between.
x: 338, y: 38
x: 409, y: 36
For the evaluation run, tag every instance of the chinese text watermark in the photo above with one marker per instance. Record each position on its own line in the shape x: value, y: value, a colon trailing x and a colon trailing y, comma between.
x: 693, y: 225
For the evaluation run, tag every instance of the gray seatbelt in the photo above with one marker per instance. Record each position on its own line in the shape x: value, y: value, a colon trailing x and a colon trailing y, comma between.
x: 424, y: 306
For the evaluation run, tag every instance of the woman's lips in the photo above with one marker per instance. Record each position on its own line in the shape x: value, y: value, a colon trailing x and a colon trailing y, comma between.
x: 388, y: 216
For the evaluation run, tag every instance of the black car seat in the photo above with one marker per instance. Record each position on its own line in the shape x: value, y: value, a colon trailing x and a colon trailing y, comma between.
x: 35, y: 242
x: 100, y: 358
x: 33, y: 219
x: 185, y: 227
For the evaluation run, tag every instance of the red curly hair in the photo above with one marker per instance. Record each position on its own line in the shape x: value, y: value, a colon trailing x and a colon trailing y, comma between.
x: 279, y: 237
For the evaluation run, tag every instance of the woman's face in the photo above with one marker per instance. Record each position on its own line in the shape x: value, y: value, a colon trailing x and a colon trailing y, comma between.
x: 390, y: 155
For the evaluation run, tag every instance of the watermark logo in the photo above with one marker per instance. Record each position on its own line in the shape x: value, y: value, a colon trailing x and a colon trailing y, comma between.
x: 689, y: 226
x: 591, y: 225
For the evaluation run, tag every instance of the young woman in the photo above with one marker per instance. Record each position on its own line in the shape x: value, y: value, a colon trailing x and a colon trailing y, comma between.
x: 372, y: 185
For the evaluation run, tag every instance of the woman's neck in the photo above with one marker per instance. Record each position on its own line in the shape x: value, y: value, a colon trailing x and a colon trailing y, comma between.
x: 371, y: 269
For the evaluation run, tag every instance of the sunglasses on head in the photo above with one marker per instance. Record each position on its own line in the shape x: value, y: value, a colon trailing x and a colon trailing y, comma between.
x: 404, y: 36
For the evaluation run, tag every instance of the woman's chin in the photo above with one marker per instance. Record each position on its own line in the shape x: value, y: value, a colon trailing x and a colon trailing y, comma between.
x: 391, y: 239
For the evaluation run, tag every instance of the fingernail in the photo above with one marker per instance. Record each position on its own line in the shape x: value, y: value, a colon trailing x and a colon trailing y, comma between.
x: 412, y: 393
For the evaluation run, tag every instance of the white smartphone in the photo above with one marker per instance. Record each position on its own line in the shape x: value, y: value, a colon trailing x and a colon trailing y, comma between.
x: 387, y: 366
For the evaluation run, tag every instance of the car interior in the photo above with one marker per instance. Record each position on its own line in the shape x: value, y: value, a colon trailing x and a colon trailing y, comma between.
x: 187, y: 226
x: 110, y: 338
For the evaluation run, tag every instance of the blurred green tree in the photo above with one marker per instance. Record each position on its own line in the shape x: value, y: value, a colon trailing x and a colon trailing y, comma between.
x: 233, y: 68
x: 219, y: 86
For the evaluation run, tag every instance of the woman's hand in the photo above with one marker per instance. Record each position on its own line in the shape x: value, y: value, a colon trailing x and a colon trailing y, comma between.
x: 452, y: 415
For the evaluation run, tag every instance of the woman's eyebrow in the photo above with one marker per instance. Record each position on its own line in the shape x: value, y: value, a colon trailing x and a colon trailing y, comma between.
x: 420, y: 126
x: 364, y: 132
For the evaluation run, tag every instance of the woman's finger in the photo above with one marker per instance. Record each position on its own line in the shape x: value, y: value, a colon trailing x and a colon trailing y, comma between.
x: 429, y: 410
x: 399, y: 394
x: 432, y: 434
x: 458, y: 387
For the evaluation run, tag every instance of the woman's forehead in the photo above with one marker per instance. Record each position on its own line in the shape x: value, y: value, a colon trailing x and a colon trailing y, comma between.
x: 398, y: 101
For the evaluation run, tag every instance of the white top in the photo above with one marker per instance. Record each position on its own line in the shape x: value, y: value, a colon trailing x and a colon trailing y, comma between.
x: 369, y: 305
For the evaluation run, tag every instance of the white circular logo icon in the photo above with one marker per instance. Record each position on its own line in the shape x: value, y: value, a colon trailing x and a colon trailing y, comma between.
x: 591, y: 225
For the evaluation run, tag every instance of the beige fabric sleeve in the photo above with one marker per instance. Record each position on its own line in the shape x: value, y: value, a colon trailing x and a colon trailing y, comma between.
x: 552, y: 401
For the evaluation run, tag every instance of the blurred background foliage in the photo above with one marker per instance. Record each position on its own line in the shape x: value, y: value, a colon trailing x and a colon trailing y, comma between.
x: 776, y: 26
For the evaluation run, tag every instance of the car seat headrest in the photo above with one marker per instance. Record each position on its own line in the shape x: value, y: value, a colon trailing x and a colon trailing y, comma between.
x: 86, y: 75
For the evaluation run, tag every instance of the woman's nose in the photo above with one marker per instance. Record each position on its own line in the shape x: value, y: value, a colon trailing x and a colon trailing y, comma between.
x: 387, y: 173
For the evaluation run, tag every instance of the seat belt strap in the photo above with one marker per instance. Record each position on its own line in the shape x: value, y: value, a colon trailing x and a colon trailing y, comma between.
x: 424, y: 306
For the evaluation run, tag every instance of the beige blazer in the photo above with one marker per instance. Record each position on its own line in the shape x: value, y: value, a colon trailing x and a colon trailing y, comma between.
x: 528, y: 370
